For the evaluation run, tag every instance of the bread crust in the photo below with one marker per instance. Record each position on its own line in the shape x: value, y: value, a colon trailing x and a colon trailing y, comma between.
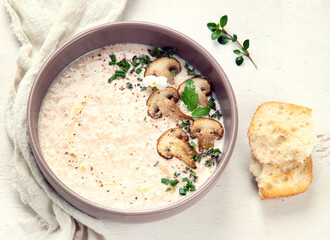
x: 281, y: 139
x: 288, y: 191
x: 283, y: 132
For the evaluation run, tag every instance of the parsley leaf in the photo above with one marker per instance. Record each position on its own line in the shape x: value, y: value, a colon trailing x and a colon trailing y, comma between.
x: 189, y: 97
x: 200, y: 112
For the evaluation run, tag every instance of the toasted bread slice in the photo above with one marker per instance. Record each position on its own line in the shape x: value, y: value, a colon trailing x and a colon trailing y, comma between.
x: 281, y: 132
x: 283, y: 180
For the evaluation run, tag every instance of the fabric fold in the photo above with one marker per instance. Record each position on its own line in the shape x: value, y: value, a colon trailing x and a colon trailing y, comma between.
x: 41, y: 27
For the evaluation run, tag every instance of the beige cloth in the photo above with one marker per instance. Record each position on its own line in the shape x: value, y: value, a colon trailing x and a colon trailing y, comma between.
x: 42, y: 26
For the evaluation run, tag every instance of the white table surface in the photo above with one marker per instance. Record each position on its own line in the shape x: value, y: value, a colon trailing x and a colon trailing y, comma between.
x: 290, y: 42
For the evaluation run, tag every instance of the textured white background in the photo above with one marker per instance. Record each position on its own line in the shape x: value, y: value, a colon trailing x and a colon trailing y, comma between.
x: 290, y: 42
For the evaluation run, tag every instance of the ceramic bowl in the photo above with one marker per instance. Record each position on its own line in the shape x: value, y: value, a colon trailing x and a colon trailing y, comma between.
x: 141, y: 33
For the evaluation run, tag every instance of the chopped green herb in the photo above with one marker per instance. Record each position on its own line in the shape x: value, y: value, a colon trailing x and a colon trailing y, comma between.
x: 145, y: 60
x: 112, y: 78
x: 174, y: 182
x: 185, y: 125
x: 135, y: 62
x: 165, y: 181
x: 211, y: 103
x: 173, y: 73
x: 172, y: 130
x: 194, y: 175
x: 208, y: 163
x: 189, y: 70
x: 197, y: 157
x: 143, y: 88
x: 168, y: 189
x: 217, y: 114
x: 182, y: 191
x: 192, y: 144
x: 189, y: 97
x: 158, y: 52
x: 113, y: 60
x: 139, y: 79
x: 124, y: 64
x: 200, y: 112
x: 145, y: 118
x: 156, y: 164
x: 139, y: 70
x: 188, y: 186
x: 176, y: 174
x: 129, y: 85
x: 187, y: 168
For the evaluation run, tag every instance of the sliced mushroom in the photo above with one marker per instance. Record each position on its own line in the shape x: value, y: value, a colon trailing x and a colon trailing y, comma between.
x: 163, y: 103
x: 174, y: 143
x: 206, y: 130
x: 163, y: 67
x: 203, y: 88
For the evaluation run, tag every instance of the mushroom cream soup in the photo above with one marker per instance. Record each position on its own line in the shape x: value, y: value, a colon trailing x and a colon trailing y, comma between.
x: 115, y: 139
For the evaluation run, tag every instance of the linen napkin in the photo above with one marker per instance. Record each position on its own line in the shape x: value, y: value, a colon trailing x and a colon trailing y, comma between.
x: 41, y: 27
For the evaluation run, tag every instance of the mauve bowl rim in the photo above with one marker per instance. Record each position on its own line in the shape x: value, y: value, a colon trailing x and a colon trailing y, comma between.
x: 37, y: 152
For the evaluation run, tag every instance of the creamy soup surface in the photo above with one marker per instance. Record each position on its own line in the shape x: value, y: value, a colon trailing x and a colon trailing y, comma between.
x: 99, y: 140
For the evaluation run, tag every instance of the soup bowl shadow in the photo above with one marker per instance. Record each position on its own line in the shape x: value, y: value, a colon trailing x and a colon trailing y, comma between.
x: 140, y: 33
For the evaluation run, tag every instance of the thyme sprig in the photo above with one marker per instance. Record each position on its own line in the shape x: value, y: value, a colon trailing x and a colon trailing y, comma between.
x: 158, y: 52
x: 185, y: 125
x: 213, y: 155
x: 223, y: 37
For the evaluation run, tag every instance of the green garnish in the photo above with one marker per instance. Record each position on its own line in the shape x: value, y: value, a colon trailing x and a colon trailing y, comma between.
x: 217, y: 114
x: 182, y: 192
x: 189, y: 97
x: 124, y: 64
x: 173, y: 73
x: 189, y: 70
x: 112, y: 78
x: 165, y: 181
x: 176, y: 174
x: 208, y: 163
x: 168, y: 189
x: 213, y: 155
x: 142, y: 88
x: 139, y: 79
x: 197, y: 157
x: 223, y: 37
x: 113, y: 60
x: 138, y: 70
x: 192, y: 144
x: 189, y: 185
x: 200, y: 112
x: 135, y: 62
x: 129, y: 85
x: 193, y: 175
x: 174, y: 182
x: 185, y: 125
x: 145, y: 118
x: 158, y: 52
x: 211, y: 103
x: 145, y: 60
